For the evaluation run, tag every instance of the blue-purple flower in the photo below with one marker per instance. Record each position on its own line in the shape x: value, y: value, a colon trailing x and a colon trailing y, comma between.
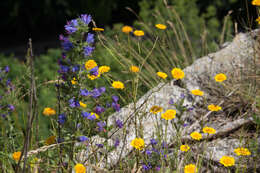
x: 75, y: 68
x: 82, y: 138
x: 117, y: 142
x: 99, y: 109
x: 147, y: 167
x: 74, y: 103
x: 66, y: 44
x: 101, y: 126
x: 61, y: 119
x: 94, y: 71
x: 90, y: 38
x: 116, y: 106
x: 119, y: 124
x: 171, y: 101
x: 153, y: 141
x: 148, y: 152
x: 71, y: 26
x: 64, y: 69
x: 115, y: 98
x: 100, y: 145
x: 6, y: 69
x: 95, y: 93
x: 84, y: 92
x: 85, y: 18
x: 85, y: 114
x: 11, y: 107
x: 88, y: 50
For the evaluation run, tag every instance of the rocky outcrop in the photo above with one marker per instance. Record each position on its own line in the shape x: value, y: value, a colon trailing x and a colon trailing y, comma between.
x: 234, y: 56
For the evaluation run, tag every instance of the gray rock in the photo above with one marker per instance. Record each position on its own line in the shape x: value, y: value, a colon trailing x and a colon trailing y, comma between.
x: 235, y: 55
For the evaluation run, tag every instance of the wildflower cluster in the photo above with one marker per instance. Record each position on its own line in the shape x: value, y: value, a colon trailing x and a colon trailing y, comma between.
x: 154, y: 155
x: 6, y: 88
x: 83, y: 104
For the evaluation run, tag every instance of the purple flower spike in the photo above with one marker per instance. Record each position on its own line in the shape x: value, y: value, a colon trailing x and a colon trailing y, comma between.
x: 119, y: 124
x: 82, y: 138
x: 84, y: 92
x: 88, y: 50
x: 90, y: 38
x: 85, y: 18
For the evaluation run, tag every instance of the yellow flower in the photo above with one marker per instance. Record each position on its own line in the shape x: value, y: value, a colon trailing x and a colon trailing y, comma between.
x: 156, y: 109
x: 177, y: 73
x: 97, y: 29
x: 184, y: 148
x: 103, y: 69
x: 258, y: 20
x: 73, y: 81
x: 49, y: 111
x: 118, y: 85
x: 82, y: 104
x: 162, y: 75
x: 227, y: 161
x: 161, y: 26
x: 169, y: 114
x: 17, y: 155
x: 196, y: 135
x: 197, y: 92
x: 242, y: 152
x: 191, y: 168
x: 134, y: 69
x: 96, y: 115
x: 93, y: 77
x: 80, y: 168
x: 90, y: 64
x: 50, y: 140
x: 215, y: 108
x: 139, y: 33
x: 220, y: 77
x: 256, y: 2
x: 138, y: 143
x: 127, y: 29
x: 209, y: 130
